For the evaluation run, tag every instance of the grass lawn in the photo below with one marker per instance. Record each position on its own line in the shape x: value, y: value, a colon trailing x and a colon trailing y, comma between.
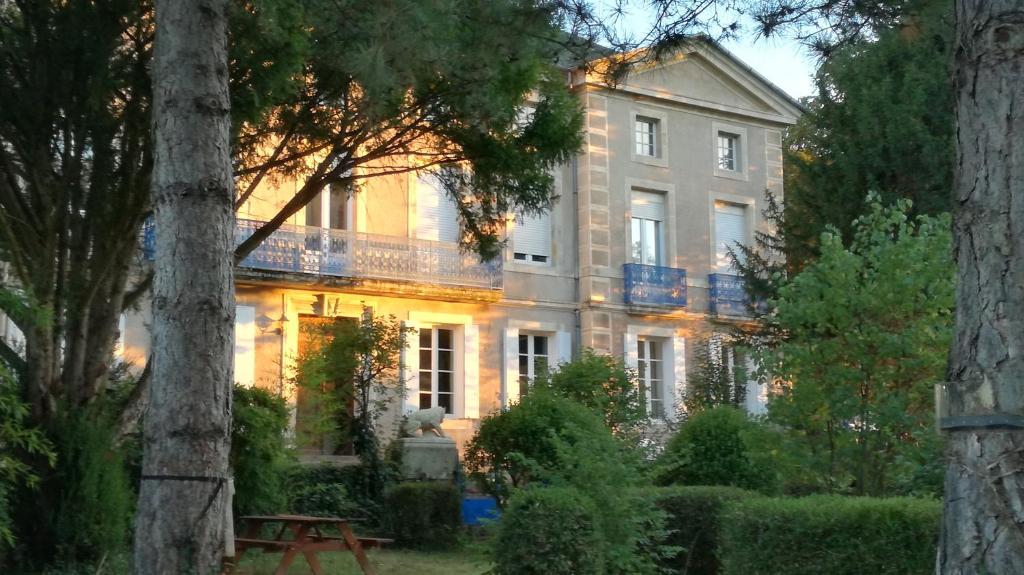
x: 467, y: 561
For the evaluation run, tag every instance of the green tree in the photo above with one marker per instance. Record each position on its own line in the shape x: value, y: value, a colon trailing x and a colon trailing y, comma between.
x: 602, y: 383
x: 718, y: 446
x: 882, y: 120
x: 719, y: 375
x: 17, y: 440
x: 868, y: 328
x: 352, y: 368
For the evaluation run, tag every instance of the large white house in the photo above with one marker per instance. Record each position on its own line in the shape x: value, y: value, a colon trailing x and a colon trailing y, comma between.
x: 631, y: 260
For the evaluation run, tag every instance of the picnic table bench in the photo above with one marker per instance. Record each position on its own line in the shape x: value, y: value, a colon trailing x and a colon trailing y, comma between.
x: 307, y: 538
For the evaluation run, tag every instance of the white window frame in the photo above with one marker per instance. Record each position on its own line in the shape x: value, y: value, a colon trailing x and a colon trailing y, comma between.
x: 531, y: 356
x: 648, y: 384
x: 466, y: 379
x: 659, y: 117
x: 324, y: 201
x: 560, y: 350
x: 661, y: 226
x: 529, y: 258
x: 645, y: 136
x: 750, y: 210
x: 674, y: 357
x: 668, y: 239
x: 434, y: 369
x: 740, y: 171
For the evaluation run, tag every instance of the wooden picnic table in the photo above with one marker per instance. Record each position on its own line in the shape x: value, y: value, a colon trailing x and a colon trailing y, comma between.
x: 307, y: 538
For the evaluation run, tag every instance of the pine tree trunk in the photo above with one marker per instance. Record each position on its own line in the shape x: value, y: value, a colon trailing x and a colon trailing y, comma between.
x: 179, y: 523
x: 984, y: 511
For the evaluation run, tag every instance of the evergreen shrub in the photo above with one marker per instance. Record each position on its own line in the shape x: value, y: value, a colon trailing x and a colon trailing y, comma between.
x: 693, y: 524
x: 716, y: 447
x: 424, y: 515
x: 829, y: 534
x: 549, y: 531
x: 259, y: 456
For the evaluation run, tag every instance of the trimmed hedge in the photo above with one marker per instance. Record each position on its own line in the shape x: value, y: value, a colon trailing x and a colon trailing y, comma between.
x: 549, y: 531
x: 693, y: 524
x: 425, y: 515
x: 829, y: 534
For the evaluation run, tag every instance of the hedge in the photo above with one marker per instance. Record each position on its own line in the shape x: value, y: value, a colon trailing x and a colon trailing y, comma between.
x: 693, y: 525
x: 829, y: 534
x: 549, y: 531
x: 424, y: 515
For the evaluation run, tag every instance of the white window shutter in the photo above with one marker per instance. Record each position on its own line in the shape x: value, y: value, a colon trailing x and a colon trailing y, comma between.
x: 756, y: 399
x: 563, y: 347
x: 409, y: 372
x: 471, y: 373
x: 678, y: 390
x: 629, y: 350
x: 512, y: 391
x: 532, y: 235
x: 436, y: 214
x: 245, y: 345
x: 122, y: 322
x: 648, y: 205
x: 730, y: 229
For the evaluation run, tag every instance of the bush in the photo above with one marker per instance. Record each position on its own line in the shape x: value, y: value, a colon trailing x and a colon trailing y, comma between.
x: 341, y: 488
x: 83, y: 509
x: 259, y: 457
x: 694, y: 518
x: 425, y: 515
x: 604, y: 384
x: 516, y: 446
x: 713, y: 447
x: 830, y: 534
x: 18, y: 443
x: 549, y: 531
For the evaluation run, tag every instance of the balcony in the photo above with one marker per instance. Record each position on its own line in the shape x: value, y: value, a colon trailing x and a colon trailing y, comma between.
x: 656, y: 286
x: 348, y: 254
x: 728, y: 296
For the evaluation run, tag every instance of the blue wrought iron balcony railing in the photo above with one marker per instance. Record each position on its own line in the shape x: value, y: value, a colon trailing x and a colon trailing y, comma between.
x: 728, y: 295
x: 344, y: 253
x: 654, y: 285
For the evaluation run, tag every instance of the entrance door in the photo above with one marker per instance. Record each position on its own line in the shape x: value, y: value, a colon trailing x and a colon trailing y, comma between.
x: 315, y: 431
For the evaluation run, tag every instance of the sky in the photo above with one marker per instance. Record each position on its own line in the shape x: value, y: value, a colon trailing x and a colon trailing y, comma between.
x: 784, y: 62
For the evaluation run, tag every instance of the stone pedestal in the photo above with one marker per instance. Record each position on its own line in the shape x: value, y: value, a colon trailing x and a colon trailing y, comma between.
x: 428, y: 458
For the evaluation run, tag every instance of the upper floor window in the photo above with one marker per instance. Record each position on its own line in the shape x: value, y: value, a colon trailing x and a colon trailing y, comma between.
x: 651, y: 374
x: 533, y: 358
x: 531, y: 239
x: 331, y: 208
x: 730, y: 230
x: 437, y: 368
x: 647, y: 228
x: 646, y: 136
x: 728, y: 152
x: 436, y: 214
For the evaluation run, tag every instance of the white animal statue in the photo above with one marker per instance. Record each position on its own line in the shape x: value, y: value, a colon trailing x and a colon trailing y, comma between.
x: 423, y: 421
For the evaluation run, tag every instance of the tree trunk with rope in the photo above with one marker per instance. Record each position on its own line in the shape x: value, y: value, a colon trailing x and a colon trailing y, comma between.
x: 179, y: 526
x: 983, y: 523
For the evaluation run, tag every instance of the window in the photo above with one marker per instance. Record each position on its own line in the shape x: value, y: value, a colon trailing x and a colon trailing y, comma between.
x: 531, y: 239
x: 436, y: 214
x: 646, y: 136
x: 533, y: 359
x: 437, y: 371
x: 728, y: 152
x: 651, y: 372
x: 331, y: 209
x: 730, y: 230
x: 647, y: 228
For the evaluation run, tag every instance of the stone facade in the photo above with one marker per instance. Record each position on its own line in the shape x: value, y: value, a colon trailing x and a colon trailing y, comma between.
x: 550, y: 309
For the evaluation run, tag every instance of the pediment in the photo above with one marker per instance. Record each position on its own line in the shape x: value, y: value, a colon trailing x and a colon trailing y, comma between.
x: 708, y: 74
